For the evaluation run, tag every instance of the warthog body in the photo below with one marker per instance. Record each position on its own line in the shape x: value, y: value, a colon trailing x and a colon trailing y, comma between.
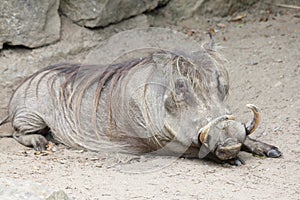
x: 165, y: 102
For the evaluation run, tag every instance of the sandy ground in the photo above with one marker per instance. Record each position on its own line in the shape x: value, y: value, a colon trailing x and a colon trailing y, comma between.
x: 264, y: 70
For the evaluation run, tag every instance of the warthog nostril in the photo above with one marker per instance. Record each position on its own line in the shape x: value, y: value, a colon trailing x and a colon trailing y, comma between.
x: 204, y: 131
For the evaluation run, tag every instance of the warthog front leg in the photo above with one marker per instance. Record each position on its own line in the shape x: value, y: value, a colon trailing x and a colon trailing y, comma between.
x: 260, y: 148
x: 35, y: 140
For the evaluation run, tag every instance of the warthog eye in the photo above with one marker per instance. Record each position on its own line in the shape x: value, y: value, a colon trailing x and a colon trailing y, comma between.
x: 170, y: 105
x: 182, y: 96
x: 181, y: 86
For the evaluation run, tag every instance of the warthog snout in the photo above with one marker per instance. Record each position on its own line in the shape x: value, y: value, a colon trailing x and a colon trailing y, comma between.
x: 224, y: 136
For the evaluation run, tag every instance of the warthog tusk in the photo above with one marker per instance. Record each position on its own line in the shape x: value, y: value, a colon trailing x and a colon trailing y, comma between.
x: 204, y: 131
x: 255, y: 121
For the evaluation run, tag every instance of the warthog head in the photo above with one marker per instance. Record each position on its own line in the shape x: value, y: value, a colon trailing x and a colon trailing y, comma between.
x: 222, y: 136
x: 195, y: 109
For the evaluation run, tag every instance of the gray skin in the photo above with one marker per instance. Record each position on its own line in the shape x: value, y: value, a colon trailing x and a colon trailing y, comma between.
x: 158, y: 104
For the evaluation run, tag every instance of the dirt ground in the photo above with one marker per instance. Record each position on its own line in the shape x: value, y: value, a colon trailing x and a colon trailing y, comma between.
x: 264, y: 70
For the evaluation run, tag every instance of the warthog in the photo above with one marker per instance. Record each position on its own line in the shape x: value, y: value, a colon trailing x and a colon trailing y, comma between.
x: 165, y: 103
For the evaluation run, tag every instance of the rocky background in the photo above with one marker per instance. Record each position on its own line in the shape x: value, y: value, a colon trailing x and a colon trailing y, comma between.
x: 36, y: 33
x: 37, y: 23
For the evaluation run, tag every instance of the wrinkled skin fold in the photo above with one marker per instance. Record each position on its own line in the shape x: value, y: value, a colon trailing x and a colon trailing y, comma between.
x: 163, y: 103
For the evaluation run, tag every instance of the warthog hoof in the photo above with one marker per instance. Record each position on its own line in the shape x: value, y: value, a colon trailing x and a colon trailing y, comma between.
x: 273, y: 153
x: 38, y: 142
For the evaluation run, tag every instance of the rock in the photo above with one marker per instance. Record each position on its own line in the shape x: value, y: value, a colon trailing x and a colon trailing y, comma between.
x: 224, y: 8
x: 100, y: 13
x: 15, y: 189
x: 31, y: 23
x: 138, y: 43
x: 139, y: 21
x: 184, y: 9
x: 59, y: 195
